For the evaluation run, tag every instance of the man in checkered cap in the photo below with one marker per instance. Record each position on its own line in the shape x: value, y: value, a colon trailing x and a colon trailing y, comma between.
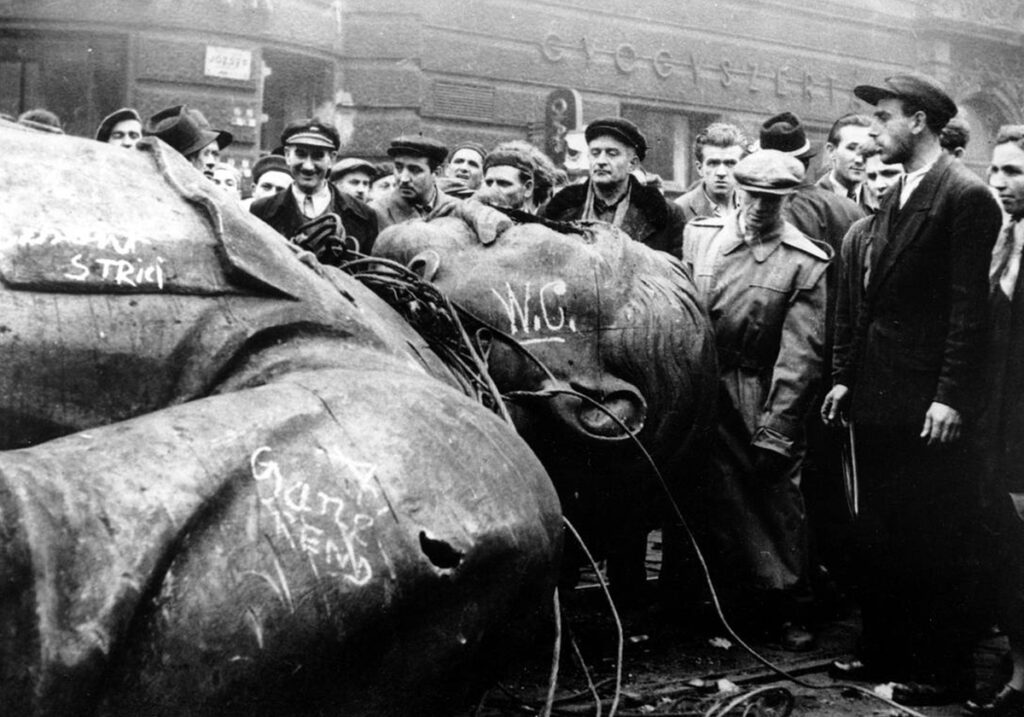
x: 310, y: 146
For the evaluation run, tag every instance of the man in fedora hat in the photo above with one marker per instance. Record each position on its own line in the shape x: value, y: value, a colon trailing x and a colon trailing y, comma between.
x: 122, y: 128
x: 763, y: 284
x: 911, y: 386
x: 310, y: 146
x: 416, y: 193
x: 616, y: 147
x: 187, y: 130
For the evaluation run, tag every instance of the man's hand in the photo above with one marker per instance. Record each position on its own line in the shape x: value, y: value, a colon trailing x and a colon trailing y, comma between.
x: 833, y: 408
x: 770, y: 466
x: 941, y: 424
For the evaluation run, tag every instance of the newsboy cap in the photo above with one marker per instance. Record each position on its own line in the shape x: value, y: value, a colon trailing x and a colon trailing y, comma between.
x: 181, y: 129
x: 784, y: 133
x: 418, y: 146
x: 621, y: 129
x: 352, y: 164
x: 913, y: 87
x: 269, y: 163
x: 768, y: 171
x: 312, y: 132
x: 475, y: 146
x: 107, y: 125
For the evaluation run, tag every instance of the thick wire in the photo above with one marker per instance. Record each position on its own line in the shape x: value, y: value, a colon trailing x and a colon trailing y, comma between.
x: 556, y: 656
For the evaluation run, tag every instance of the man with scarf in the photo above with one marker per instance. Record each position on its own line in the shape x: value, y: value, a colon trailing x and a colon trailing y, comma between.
x: 615, y: 148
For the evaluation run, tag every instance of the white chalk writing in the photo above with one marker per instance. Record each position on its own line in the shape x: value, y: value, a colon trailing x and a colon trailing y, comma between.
x: 549, y: 315
x: 298, y: 508
x: 121, y: 272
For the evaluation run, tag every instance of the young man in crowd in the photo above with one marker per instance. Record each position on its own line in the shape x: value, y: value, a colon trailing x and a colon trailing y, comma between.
x: 353, y: 176
x: 717, y: 151
x: 415, y: 194
x: 845, y: 164
x: 122, y: 128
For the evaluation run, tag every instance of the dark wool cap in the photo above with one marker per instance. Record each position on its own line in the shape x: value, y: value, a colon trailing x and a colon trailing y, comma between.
x: 352, y: 164
x: 107, y: 125
x: 312, y: 132
x: 418, y: 146
x: 621, y: 129
x: 475, y: 146
x: 768, y: 171
x: 510, y: 158
x: 784, y: 133
x: 269, y: 163
x: 914, y: 87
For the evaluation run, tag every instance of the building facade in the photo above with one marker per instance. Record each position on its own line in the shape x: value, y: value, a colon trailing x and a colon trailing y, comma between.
x: 491, y: 69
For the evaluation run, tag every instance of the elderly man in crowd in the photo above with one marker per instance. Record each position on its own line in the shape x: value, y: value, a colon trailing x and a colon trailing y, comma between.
x: 416, y: 193
x: 911, y: 384
x: 309, y: 148
x: 616, y: 147
x: 763, y: 284
x: 717, y: 151
x: 508, y: 180
x: 464, y: 172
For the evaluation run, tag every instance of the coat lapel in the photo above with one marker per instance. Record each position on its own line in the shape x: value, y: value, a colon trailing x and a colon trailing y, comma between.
x: 901, y: 228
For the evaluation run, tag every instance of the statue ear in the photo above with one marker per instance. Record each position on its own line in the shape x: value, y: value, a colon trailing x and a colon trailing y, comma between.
x: 426, y: 264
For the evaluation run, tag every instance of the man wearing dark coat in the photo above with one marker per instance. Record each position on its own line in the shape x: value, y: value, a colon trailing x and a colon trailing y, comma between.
x: 612, y: 194
x: 911, y: 386
x: 717, y: 151
x: 310, y: 146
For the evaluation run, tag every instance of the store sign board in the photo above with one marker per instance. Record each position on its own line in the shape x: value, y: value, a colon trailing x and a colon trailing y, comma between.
x: 229, y: 63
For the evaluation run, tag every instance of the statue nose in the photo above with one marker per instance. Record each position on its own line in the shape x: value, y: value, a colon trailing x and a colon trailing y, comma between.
x: 611, y: 408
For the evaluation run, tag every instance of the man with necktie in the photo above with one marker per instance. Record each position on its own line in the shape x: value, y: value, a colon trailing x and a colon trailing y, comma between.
x: 310, y: 146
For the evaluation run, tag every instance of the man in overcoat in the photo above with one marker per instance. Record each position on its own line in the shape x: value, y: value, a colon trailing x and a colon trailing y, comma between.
x: 911, y: 385
x: 763, y: 285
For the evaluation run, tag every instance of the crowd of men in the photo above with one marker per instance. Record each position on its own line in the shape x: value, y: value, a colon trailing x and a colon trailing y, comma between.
x: 870, y: 335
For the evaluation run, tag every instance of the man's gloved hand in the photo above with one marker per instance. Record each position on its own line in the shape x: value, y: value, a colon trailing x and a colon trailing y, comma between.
x: 770, y: 466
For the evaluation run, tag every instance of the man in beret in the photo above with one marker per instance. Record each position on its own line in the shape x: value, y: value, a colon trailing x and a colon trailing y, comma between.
x: 911, y: 387
x: 310, y: 146
x: 464, y: 172
x: 122, y: 128
x: 353, y: 176
x: 270, y: 175
x: 763, y: 285
x: 616, y: 147
x: 508, y: 180
x: 415, y: 194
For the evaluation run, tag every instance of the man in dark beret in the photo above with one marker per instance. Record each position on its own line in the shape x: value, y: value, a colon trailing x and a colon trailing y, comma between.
x: 911, y: 384
x: 122, y: 128
x: 508, y: 180
x: 270, y: 175
x: 415, y: 194
x: 310, y: 146
x: 612, y: 194
x: 763, y: 285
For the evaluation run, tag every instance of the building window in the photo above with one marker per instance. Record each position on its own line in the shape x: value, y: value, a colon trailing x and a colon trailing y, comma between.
x: 80, y: 77
x: 294, y: 86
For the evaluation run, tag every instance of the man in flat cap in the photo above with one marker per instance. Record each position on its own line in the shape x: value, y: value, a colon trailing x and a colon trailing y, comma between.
x: 416, y: 193
x: 616, y: 147
x: 763, y: 285
x: 310, y: 146
x: 508, y: 180
x: 353, y: 176
x: 911, y: 387
x: 464, y: 172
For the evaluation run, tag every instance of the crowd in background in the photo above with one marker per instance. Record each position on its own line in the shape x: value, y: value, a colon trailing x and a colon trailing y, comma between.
x: 868, y: 321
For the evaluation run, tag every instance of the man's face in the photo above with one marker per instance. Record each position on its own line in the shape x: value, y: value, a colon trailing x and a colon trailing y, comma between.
x: 467, y: 166
x: 879, y: 176
x: 226, y: 178
x: 504, y: 187
x: 716, y: 170
x: 126, y: 133
x: 893, y: 131
x: 760, y: 211
x: 354, y: 184
x: 206, y: 158
x: 1006, y: 176
x: 847, y: 163
x: 309, y: 165
x: 381, y: 188
x: 611, y: 161
x: 414, y: 178
x: 271, y: 182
